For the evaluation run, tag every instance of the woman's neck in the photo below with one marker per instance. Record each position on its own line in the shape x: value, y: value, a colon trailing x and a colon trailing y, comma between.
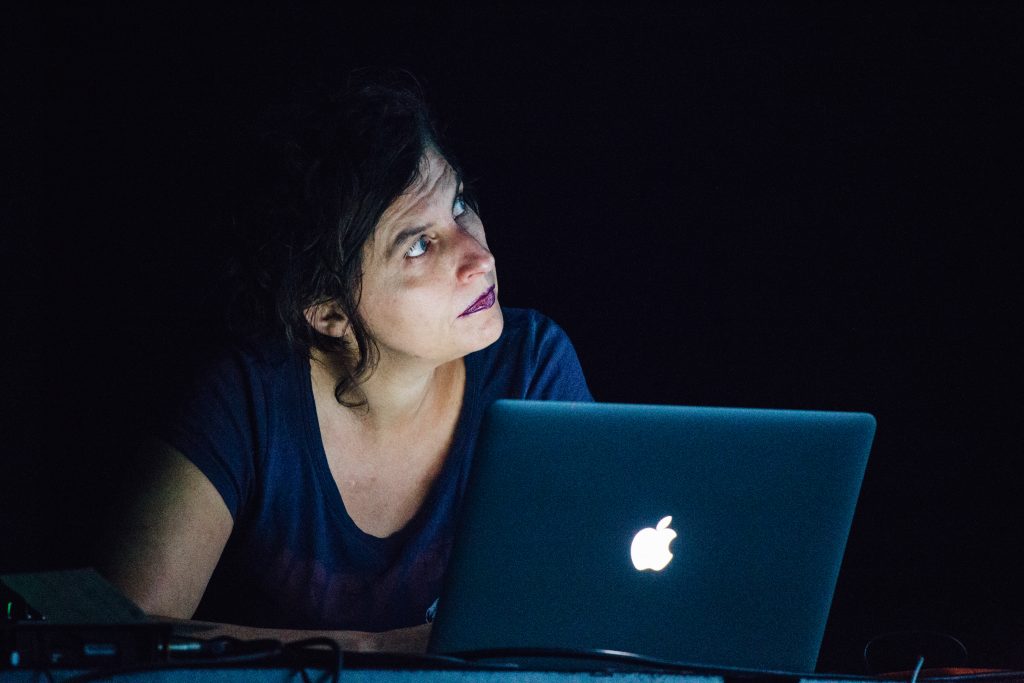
x: 396, y: 394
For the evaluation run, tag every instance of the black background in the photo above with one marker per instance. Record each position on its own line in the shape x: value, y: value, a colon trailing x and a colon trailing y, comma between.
x: 723, y: 204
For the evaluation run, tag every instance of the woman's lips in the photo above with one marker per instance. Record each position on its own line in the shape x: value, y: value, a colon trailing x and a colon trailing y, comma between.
x: 483, y: 302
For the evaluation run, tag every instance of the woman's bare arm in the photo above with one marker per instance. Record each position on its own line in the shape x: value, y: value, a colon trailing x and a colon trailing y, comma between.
x: 168, y: 541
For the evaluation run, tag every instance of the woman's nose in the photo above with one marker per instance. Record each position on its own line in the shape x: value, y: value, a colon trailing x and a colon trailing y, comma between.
x: 474, y: 257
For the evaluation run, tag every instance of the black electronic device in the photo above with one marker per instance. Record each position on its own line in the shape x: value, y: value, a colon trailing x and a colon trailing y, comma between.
x: 74, y: 619
x: 39, y: 645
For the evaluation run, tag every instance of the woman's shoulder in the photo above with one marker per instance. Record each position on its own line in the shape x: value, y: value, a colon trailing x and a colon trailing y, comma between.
x: 246, y: 373
x: 252, y: 355
x: 526, y: 325
x: 241, y: 399
x: 528, y: 335
x: 532, y: 355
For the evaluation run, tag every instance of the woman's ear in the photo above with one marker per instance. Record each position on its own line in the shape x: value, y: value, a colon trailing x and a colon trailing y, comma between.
x: 327, y: 318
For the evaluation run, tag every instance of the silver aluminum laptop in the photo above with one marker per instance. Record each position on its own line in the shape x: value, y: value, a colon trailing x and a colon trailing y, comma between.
x: 710, y: 536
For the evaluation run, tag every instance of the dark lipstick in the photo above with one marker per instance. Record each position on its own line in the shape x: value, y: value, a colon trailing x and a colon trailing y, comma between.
x: 485, y: 301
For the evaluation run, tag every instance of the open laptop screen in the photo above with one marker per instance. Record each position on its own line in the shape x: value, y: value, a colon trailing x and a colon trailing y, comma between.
x: 700, y: 535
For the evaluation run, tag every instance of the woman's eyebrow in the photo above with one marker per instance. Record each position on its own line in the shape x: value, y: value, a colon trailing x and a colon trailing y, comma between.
x: 404, y: 234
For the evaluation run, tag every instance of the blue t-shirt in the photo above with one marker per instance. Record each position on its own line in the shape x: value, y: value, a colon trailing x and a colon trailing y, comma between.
x: 295, y: 558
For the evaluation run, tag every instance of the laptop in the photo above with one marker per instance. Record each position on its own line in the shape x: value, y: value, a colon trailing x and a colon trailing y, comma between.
x: 704, y: 536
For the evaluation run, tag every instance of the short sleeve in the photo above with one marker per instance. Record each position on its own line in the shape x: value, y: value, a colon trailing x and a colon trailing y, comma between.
x: 218, y: 425
x: 557, y: 375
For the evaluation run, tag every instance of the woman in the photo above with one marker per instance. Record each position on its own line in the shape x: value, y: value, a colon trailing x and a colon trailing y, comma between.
x: 311, y: 479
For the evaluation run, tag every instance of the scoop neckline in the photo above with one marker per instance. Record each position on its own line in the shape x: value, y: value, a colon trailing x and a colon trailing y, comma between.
x: 333, y: 500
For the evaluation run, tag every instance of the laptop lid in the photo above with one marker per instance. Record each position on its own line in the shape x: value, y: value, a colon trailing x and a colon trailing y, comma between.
x: 703, y: 535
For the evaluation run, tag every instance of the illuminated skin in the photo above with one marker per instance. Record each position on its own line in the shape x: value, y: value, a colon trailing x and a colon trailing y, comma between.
x: 417, y: 295
x: 429, y: 298
x: 426, y: 266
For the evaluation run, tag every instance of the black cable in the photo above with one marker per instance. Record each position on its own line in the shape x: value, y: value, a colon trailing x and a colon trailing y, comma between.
x: 226, y: 650
x: 615, y: 656
x: 375, y: 659
x: 636, y: 660
x: 299, y: 647
x: 295, y: 650
x: 995, y: 675
x: 220, y: 651
x: 917, y: 669
x: 919, y: 644
x: 294, y: 655
x: 260, y: 651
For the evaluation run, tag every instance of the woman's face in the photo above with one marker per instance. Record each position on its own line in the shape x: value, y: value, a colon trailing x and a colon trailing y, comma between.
x: 429, y: 287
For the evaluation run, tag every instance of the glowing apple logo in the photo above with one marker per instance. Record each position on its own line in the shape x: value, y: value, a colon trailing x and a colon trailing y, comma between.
x: 650, y: 546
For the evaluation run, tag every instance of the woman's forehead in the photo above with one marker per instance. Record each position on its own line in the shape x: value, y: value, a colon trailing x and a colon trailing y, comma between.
x: 434, y: 176
x: 434, y: 180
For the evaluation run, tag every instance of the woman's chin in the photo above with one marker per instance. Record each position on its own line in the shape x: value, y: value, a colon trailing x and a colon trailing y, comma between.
x: 486, y: 327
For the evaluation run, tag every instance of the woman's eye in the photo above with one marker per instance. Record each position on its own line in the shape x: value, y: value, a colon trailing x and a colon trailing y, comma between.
x: 459, y: 206
x: 419, y: 247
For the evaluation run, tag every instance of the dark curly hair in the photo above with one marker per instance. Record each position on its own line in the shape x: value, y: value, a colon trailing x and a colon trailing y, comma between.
x: 330, y: 168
